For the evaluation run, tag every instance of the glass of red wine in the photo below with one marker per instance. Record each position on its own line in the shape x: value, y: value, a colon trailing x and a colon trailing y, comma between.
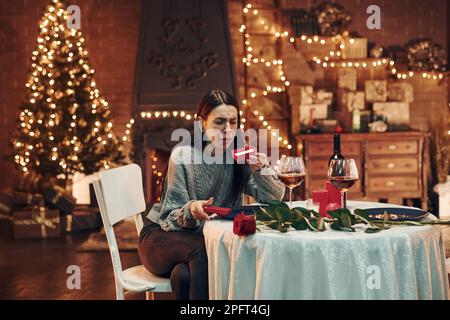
x: 343, y: 174
x: 291, y: 171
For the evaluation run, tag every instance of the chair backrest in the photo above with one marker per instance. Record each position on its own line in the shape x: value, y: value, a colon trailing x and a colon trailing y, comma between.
x: 119, y: 195
x: 123, y: 192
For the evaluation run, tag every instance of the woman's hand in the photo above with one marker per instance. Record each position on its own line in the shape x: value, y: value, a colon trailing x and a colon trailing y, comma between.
x: 197, y: 211
x: 257, y: 161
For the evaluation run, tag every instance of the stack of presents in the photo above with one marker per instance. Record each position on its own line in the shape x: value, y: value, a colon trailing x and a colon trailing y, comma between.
x: 371, y: 100
x: 39, y: 208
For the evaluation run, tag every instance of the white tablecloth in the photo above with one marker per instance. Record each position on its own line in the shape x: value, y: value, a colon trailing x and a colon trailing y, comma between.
x: 398, y: 263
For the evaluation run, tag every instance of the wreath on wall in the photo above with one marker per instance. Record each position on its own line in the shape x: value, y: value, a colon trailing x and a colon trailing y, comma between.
x: 332, y: 18
x: 425, y: 55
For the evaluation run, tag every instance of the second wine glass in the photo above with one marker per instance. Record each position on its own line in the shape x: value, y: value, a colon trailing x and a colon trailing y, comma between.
x: 291, y: 171
x: 343, y: 174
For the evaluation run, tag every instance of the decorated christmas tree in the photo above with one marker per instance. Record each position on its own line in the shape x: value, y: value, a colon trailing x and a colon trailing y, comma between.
x: 64, y: 124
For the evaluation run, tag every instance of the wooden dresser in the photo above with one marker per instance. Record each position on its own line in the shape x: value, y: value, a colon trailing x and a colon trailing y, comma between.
x: 392, y: 166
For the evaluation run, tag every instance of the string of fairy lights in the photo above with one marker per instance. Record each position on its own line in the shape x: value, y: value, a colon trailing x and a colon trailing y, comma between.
x: 251, y: 57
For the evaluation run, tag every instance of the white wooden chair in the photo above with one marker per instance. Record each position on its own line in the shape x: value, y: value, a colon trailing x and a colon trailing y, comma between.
x: 120, y: 195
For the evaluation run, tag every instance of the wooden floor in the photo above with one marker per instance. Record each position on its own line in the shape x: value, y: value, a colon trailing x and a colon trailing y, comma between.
x: 36, y: 269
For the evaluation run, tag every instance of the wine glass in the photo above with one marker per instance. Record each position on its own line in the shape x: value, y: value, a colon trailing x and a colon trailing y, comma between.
x: 291, y: 171
x: 343, y: 174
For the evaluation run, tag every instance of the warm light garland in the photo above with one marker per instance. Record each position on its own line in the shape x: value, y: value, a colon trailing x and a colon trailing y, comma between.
x: 167, y: 114
x: 426, y: 75
x: 278, y: 63
x: 353, y: 63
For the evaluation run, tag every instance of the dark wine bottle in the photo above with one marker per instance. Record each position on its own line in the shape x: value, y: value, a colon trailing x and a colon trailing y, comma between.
x: 336, y: 148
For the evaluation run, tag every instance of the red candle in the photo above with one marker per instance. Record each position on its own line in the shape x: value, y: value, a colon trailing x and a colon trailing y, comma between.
x: 334, y: 195
x: 321, y: 197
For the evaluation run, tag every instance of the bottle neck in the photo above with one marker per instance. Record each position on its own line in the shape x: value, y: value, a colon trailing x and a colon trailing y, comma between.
x: 337, y: 144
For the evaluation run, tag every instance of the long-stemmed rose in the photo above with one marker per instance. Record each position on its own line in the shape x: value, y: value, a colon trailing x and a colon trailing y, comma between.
x: 279, y: 216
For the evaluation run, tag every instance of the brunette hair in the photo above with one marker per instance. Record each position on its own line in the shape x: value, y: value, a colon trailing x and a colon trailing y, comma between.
x: 210, y: 101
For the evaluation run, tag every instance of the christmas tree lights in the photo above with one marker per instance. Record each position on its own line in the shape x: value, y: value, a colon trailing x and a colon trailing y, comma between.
x: 64, y: 124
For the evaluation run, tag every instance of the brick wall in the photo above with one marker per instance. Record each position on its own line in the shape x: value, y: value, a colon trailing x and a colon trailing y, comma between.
x: 401, y: 21
x: 111, y: 29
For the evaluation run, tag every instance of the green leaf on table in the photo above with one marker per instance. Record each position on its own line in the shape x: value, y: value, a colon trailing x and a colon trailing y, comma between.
x: 300, y: 225
x: 282, y: 227
x: 278, y: 203
x: 372, y: 230
x: 302, y: 211
x: 346, y: 220
x: 337, y: 226
x: 363, y: 217
x: 320, y: 224
x: 263, y: 215
x: 338, y: 212
x: 315, y: 214
x: 282, y: 214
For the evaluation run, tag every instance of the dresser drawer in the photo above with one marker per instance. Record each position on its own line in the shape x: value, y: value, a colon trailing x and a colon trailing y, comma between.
x: 392, y: 147
x: 325, y: 149
x: 392, y: 184
x: 393, y: 165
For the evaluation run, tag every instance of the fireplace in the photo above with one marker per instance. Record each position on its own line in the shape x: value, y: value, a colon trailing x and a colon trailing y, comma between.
x: 184, y: 52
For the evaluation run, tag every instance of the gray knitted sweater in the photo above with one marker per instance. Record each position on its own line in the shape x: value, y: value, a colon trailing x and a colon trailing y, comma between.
x: 192, y: 175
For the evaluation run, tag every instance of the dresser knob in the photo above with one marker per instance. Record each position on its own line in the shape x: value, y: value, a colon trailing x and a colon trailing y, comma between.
x: 390, y: 183
x: 392, y: 147
x: 391, y: 165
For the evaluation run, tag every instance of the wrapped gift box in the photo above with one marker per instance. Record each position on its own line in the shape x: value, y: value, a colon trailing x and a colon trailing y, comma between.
x: 347, y: 79
x: 35, y: 223
x: 397, y: 113
x: 351, y: 100
x: 345, y: 119
x: 355, y: 48
x: 323, y: 97
x: 400, y: 91
x: 306, y: 95
x: 319, y: 111
x: 81, y: 218
x: 59, y: 198
x: 26, y: 198
x: 376, y: 90
x: 27, y: 182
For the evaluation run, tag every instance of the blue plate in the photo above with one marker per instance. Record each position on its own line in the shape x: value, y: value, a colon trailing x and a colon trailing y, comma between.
x: 396, y: 214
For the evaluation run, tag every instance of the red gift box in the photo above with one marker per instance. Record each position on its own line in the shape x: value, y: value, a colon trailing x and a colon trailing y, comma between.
x: 334, y: 195
x: 321, y: 197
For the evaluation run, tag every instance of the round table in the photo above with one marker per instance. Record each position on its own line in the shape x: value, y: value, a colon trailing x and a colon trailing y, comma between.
x: 404, y: 262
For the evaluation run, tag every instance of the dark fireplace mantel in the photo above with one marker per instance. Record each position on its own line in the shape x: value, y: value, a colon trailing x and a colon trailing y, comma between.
x: 184, y: 52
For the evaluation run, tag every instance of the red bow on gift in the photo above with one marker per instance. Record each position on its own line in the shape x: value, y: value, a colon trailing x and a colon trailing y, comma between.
x: 244, y: 225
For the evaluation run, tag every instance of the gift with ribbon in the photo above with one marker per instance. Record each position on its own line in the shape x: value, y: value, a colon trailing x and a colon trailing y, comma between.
x: 58, y: 197
x: 81, y: 218
x: 36, y: 223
